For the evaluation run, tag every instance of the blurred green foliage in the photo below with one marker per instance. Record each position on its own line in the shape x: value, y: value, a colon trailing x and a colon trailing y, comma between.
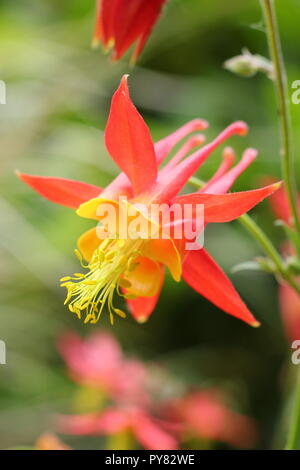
x: 58, y: 95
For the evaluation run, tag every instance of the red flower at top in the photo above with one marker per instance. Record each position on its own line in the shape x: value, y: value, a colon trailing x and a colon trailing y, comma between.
x: 120, y: 23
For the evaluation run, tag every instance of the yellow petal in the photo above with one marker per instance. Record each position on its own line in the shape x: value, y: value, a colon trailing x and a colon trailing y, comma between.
x: 164, y: 251
x: 88, y: 243
x: 119, y: 217
x: 89, y: 209
x: 145, y: 279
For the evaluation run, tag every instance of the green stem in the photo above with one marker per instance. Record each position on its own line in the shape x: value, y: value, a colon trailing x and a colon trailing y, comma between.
x: 287, y: 165
x: 294, y: 430
x: 263, y: 241
x: 283, y: 104
x: 269, y: 249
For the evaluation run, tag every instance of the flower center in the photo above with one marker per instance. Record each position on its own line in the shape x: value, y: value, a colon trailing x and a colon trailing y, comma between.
x: 111, y: 262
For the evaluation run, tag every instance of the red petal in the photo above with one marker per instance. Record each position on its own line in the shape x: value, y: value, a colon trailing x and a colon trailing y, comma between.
x: 192, y: 142
x: 170, y: 183
x: 62, y: 191
x: 142, y: 307
x: 121, y: 184
x: 226, y: 207
x: 150, y: 18
x: 224, y: 183
x: 134, y: 20
x: 228, y: 159
x: 106, y: 10
x: 128, y: 141
x: 164, y: 146
x: 204, y: 275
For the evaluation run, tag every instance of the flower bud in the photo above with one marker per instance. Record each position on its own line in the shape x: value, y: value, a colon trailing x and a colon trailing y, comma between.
x: 247, y: 65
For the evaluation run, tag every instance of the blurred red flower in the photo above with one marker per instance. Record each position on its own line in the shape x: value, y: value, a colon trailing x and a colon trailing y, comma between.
x: 290, y: 310
x: 120, y: 23
x: 289, y: 299
x: 204, y: 415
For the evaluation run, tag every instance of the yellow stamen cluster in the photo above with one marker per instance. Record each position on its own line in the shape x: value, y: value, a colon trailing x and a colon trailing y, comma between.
x: 89, y: 293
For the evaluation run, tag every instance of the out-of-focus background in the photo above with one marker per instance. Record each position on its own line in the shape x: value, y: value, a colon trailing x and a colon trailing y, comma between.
x: 58, y: 95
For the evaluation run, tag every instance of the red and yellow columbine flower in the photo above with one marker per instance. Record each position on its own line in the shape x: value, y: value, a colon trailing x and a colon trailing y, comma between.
x: 135, y: 267
x: 120, y: 23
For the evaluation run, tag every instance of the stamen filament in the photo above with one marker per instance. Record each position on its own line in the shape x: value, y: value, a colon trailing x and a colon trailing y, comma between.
x: 90, y: 293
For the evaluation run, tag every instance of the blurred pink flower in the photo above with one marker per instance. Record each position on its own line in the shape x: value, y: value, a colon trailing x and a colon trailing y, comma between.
x: 98, y: 362
x: 147, y: 430
x: 205, y: 415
